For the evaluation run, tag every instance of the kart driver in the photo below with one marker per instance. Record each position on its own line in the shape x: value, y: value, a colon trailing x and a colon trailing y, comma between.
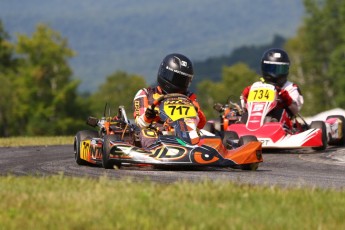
x: 175, y: 75
x: 275, y: 69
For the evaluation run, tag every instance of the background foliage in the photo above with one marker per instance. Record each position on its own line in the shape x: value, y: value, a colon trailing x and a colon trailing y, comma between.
x: 119, y: 89
x: 39, y: 95
x: 318, y: 54
x: 250, y: 55
x: 133, y: 36
x: 234, y: 79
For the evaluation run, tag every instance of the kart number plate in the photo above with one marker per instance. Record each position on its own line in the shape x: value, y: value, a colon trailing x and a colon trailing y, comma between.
x: 261, y: 94
x: 178, y: 111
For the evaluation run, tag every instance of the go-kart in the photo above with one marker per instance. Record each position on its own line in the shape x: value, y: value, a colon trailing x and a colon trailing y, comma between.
x: 177, y: 142
x: 276, y: 127
x: 229, y: 113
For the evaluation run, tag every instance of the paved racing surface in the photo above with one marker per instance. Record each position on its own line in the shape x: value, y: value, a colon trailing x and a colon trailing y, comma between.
x: 294, y: 168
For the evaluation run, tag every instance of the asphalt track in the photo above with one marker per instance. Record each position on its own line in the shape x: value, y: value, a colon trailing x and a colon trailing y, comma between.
x: 294, y: 168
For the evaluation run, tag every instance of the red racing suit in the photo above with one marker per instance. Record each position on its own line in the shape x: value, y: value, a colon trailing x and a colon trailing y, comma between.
x: 145, y: 98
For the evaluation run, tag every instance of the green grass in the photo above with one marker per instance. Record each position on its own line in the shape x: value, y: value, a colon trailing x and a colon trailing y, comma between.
x: 61, y: 202
x: 35, y: 141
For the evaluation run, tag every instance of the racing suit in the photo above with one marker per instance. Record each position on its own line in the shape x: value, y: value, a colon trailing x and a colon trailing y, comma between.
x: 144, y: 98
x: 290, y: 94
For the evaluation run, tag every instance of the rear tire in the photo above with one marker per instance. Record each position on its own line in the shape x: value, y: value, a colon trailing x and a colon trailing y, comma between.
x: 79, y: 137
x: 106, y: 161
x: 210, y: 127
x: 340, y: 141
x: 320, y: 125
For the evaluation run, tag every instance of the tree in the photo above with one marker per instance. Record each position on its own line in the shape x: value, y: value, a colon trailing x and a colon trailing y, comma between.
x: 7, y: 69
x: 317, y: 54
x: 47, y: 101
x: 118, y: 89
x: 7, y: 60
x: 234, y: 79
x: 212, y: 67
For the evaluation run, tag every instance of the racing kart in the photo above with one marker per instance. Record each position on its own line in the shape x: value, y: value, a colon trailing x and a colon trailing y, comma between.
x: 276, y: 127
x: 229, y: 113
x: 177, y: 142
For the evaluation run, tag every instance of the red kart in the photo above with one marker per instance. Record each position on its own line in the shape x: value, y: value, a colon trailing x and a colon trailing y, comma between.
x: 275, y: 127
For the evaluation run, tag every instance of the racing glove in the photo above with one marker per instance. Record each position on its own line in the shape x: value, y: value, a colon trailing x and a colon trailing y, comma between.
x: 218, y: 107
x: 150, y: 113
x: 285, y: 97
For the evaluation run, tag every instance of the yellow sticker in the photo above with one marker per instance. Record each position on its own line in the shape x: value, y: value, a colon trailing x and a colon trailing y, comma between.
x: 176, y: 111
x: 85, y: 149
x: 261, y: 94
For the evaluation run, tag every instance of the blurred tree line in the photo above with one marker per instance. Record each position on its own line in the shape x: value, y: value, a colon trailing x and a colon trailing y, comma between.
x: 317, y: 55
x: 39, y: 95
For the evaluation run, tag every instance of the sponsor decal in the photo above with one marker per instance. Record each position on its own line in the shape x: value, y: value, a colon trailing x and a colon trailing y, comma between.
x: 276, y: 63
x: 96, y: 152
x: 137, y: 107
x: 184, y: 63
x: 179, y: 72
x: 85, y: 149
x: 149, y: 133
x: 171, y: 152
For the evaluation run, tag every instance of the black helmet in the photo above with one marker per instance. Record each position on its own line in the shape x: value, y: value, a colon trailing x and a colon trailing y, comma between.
x: 275, y: 66
x: 175, y: 73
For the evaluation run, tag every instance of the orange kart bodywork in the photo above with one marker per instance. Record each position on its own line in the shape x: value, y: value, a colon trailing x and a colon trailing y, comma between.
x: 210, y: 151
x: 182, y: 144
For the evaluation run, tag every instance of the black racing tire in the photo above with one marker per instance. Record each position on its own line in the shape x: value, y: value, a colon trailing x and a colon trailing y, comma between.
x: 229, y: 135
x: 106, y: 161
x: 340, y: 141
x: 245, y: 140
x: 79, y: 137
x: 244, y: 117
x: 320, y: 125
x: 210, y: 127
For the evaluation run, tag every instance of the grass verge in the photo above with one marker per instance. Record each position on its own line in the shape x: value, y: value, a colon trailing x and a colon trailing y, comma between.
x: 61, y: 202
x: 35, y: 141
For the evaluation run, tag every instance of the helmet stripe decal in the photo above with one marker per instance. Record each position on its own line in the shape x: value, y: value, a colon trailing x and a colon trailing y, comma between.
x: 276, y: 62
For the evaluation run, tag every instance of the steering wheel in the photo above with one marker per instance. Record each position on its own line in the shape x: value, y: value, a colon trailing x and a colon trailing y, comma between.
x: 163, y: 97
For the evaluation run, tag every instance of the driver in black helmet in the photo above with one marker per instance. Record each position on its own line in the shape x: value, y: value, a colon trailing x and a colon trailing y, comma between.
x: 175, y: 75
x: 275, y: 65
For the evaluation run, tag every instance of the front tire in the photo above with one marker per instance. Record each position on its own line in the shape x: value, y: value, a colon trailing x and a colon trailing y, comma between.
x: 79, y: 137
x: 106, y: 161
x: 320, y: 125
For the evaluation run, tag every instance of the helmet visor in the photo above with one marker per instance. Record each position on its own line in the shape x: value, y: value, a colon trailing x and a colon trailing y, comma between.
x: 276, y: 69
x: 181, y: 80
